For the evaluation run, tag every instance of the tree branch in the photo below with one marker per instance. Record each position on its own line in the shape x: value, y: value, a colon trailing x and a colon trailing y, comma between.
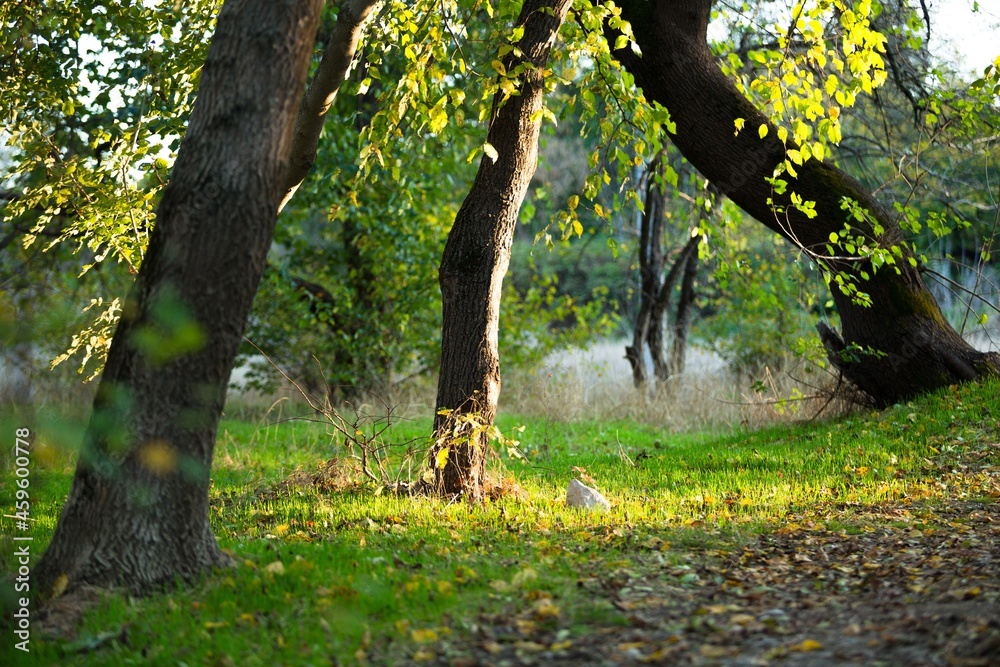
x: 331, y: 74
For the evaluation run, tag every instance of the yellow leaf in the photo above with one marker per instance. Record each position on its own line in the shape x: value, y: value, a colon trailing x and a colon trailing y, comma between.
x: 833, y: 134
x: 59, y: 586
x: 277, y: 567
x: 544, y: 609
x: 524, y: 576
x: 492, y: 647
x: 424, y: 635
x: 529, y: 646
x: 281, y: 529
x: 628, y: 646
x: 658, y: 656
x: 808, y: 645
x: 762, y: 130
x: 441, y: 460
x: 831, y: 84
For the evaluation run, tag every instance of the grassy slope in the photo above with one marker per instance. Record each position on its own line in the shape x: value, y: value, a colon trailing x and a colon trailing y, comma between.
x: 389, y: 578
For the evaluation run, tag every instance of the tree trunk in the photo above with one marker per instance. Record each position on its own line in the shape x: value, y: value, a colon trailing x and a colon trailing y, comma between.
x: 137, y: 513
x: 661, y: 306
x: 650, y: 270
x: 475, y: 260
x: 896, y: 348
x: 657, y: 290
x: 685, y: 309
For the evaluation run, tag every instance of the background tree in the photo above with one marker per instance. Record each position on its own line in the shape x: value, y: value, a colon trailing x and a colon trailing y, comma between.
x: 656, y: 288
x: 896, y: 343
x: 137, y: 514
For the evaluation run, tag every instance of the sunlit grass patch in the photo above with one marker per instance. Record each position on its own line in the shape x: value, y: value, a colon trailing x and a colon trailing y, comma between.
x: 358, y: 573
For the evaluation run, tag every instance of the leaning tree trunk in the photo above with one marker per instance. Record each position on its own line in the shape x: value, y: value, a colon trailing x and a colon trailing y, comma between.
x: 916, y: 350
x: 137, y: 513
x: 475, y: 260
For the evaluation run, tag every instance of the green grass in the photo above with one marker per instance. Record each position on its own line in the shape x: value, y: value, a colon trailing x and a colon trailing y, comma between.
x: 379, y: 576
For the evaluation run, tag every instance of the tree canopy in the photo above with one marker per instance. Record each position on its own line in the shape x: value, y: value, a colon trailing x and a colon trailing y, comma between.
x: 96, y: 100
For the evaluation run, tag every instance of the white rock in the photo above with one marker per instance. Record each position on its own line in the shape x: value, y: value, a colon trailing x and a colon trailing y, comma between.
x: 579, y: 494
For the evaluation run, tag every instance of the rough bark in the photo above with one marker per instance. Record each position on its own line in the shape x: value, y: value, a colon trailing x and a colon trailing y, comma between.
x: 916, y: 349
x: 476, y: 257
x: 137, y: 513
x: 338, y: 54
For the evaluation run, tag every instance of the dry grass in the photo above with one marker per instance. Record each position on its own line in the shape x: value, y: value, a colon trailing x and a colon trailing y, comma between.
x: 591, y: 384
x: 596, y: 384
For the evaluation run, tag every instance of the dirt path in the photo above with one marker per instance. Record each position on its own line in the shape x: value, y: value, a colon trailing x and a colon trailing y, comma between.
x: 917, y: 585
